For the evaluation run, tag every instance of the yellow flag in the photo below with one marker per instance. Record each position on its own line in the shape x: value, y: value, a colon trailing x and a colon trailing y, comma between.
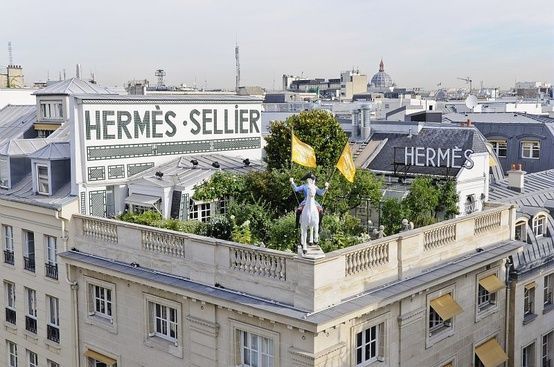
x: 346, y: 164
x: 302, y: 153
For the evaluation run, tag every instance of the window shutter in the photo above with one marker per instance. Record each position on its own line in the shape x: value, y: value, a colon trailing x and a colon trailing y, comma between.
x: 381, y: 346
x: 184, y: 209
x: 151, y: 318
x: 90, y: 300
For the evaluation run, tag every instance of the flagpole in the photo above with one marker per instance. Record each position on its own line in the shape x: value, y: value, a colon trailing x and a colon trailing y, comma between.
x: 291, y: 137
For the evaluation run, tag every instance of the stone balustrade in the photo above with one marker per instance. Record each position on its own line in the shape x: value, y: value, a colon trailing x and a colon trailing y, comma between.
x: 100, y: 229
x: 440, y: 236
x: 308, y: 284
x: 366, y: 258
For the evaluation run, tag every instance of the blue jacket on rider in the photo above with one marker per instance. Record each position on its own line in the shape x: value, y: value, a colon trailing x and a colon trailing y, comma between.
x: 304, y: 189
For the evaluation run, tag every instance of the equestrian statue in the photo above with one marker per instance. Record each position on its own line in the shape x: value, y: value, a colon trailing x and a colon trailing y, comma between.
x: 309, y: 212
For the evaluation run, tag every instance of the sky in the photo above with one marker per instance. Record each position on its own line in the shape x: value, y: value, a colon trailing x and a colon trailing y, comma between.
x: 422, y: 43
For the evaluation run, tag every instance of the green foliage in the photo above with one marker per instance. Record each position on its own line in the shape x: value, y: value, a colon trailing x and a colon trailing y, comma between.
x: 392, y: 213
x: 219, y: 227
x: 221, y: 184
x: 283, y: 234
x: 318, y: 128
x: 241, y: 233
x: 193, y: 226
x: 422, y: 201
x: 257, y: 214
x: 344, y: 196
x: 149, y: 217
x: 448, y: 201
x: 154, y: 219
x: 339, y: 231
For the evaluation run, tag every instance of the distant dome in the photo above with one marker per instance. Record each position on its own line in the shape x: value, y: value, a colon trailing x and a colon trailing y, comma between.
x: 441, y: 95
x: 381, y: 79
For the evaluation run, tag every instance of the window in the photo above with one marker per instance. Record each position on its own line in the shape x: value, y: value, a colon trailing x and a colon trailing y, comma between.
x: 255, y: 350
x: 489, y: 353
x: 51, y: 110
x: 369, y: 345
x: 529, y: 300
x: 163, y: 321
x: 31, y: 308
x: 43, y: 180
x: 487, y: 288
x: 101, y: 301
x: 95, y: 359
x: 9, y: 291
x: 547, y: 289
x: 547, y: 347
x: 29, y: 251
x: 441, y: 312
x: 4, y: 172
x: 530, y: 149
x: 521, y: 231
x: 539, y: 225
x: 12, y: 353
x: 199, y: 211
x: 50, y: 363
x: 528, y: 356
x: 500, y: 147
x: 32, y: 357
x: 53, y: 324
x: 51, y: 264
x: 7, y: 234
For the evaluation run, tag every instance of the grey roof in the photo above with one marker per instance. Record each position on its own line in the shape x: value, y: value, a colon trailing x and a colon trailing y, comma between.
x: 368, y: 300
x: 23, y: 192
x: 16, y: 120
x: 499, y: 117
x: 180, y: 171
x: 73, y: 86
x: 429, y: 136
x: 22, y: 147
x: 537, y: 196
x: 53, y: 151
x: 168, y: 98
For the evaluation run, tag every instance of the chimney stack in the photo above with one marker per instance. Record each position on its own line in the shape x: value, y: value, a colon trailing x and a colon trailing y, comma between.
x: 78, y: 71
x: 516, y: 178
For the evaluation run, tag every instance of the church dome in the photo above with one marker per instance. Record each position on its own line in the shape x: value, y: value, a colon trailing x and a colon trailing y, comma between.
x: 381, y: 79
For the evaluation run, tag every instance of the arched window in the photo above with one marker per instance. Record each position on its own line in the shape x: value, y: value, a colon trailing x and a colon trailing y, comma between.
x: 539, y: 225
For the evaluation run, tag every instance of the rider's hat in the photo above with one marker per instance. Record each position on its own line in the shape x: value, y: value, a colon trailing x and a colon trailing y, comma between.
x: 309, y: 175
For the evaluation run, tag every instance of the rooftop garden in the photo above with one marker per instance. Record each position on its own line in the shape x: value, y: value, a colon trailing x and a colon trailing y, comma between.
x: 261, y: 204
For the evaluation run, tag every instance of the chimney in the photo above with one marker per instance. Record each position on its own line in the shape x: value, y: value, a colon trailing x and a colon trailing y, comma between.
x: 468, y: 122
x: 78, y: 71
x: 516, y: 178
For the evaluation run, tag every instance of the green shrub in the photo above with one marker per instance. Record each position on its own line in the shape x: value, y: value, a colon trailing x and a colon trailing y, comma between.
x: 219, y: 227
x: 283, y: 234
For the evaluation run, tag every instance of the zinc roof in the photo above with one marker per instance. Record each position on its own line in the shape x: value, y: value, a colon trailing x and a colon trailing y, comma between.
x: 71, y: 87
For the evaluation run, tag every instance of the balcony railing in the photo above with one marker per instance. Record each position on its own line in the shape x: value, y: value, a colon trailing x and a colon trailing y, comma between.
x: 31, y: 324
x: 11, y: 316
x: 29, y: 263
x: 51, y: 270
x: 8, y: 257
x: 53, y: 333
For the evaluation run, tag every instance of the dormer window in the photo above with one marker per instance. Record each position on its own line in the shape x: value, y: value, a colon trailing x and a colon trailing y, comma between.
x: 4, y: 172
x: 51, y: 110
x: 43, y: 180
x: 530, y: 149
x: 539, y: 225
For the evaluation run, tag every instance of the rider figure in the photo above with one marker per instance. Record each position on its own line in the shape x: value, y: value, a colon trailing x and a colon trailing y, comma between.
x: 309, y: 178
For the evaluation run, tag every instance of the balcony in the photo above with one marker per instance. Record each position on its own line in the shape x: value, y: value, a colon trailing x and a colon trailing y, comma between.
x: 31, y: 324
x: 29, y: 263
x: 53, y: 333
x: 11, y: 316
x: 8, y: 257
x: 51, y: 270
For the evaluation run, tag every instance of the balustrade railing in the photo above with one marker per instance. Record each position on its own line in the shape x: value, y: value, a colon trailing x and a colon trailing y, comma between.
x: 366, y: 258
x: 100, y: 229
x: 53, y: 333
x: 259, y: 263
x: 439, y: 236
x: 9, y: 257
x: 163, y: 243
x: 51, y: 270
x: 11, y: 316
x: 29, y: 263
x: 487, y: 221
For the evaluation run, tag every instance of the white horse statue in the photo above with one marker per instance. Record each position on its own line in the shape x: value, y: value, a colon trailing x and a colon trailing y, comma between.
x: 309, y: 219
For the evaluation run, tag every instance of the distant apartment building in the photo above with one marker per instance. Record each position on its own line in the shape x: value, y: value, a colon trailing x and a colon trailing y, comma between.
x: 352, y: 82
x: 12, y: 77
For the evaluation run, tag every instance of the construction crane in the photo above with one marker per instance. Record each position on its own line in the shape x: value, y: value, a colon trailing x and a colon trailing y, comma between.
x: 468, y: 81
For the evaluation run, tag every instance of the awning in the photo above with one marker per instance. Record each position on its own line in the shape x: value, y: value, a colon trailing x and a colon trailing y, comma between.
x: 143, y: 200
x: 446, y: 307
x: 530, y: 285
x: 491, y: 283
x: 100, y: 357
x: 449, y: 364
x: 491, y: 353
x: 50, y: 127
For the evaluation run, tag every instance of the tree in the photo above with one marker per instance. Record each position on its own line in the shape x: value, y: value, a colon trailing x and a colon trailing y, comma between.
x: 448, y: 202
x: 422, y: 201
x: 318, y: 128
x: 392, y: 212
x: 344, y: 196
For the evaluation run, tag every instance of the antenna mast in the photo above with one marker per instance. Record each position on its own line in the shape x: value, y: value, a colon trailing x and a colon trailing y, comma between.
x: 237, y: 62
x: 10, y: 52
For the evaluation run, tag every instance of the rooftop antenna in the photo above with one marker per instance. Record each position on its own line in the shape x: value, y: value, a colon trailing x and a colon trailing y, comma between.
x: 237, y: 71
x: 10, y: 52
x: 160, y: 73
x: 64, y: 77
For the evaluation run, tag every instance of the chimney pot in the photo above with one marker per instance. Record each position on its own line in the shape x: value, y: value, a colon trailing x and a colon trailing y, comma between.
x: 516, y: 178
